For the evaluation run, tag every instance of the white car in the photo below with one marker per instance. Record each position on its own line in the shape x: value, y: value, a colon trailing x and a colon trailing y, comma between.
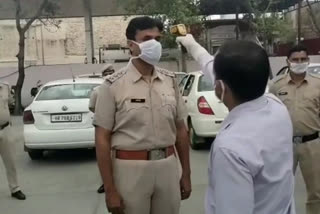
x: 180, y: 76
x: 59, y: 117
x: 313, y: 68
x: 93, y: 75
x: 205, y: 111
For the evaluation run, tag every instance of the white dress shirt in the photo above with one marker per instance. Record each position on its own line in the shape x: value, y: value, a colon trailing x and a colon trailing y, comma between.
x: 251, y: 160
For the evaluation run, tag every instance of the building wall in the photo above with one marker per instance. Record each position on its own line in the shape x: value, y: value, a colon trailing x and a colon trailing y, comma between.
x: 61, y: 43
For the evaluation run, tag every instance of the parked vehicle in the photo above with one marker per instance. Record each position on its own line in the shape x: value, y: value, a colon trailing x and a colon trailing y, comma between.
x: 59, y: 117
x: 313, y: 68
x: 205, y: 111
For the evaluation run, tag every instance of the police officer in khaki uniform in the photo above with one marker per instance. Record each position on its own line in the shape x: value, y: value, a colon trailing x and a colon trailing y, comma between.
x: 300, y: 92
x: 5, y: 147
x: 107, y: 70
x: 139, y: 119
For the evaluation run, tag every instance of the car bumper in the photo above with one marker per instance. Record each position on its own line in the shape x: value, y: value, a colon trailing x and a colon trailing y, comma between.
x: 207, y: 126
x: 58, y: 139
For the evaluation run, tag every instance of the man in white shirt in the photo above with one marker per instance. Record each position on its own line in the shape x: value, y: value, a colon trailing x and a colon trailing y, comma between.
x: 250, y: 165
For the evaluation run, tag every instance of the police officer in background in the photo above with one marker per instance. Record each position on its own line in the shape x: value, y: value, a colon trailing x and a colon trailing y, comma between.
x: 106, y: 70
x: 300, y: 92
x: 139, y: 119
x: 250, y: 163
x: 5, y: 147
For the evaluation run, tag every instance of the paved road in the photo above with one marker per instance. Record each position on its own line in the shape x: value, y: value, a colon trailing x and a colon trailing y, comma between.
x: 66, y: 182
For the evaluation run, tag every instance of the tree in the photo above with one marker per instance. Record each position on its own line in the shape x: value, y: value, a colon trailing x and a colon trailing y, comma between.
x: 314, y: 17
x: 170, y: 12
x: 46, y: 10
x: 261, y: 16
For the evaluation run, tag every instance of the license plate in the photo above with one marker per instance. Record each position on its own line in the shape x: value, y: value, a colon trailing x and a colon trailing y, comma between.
x: 66, y: 118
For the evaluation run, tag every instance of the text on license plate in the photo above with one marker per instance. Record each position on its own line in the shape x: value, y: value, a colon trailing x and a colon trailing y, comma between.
x: 64, y: 118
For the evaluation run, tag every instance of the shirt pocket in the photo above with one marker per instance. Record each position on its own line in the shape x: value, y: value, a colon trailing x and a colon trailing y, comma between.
x: 136, y: 113
x: 285, y: 97
x: 311, y: 100
x: 168, y: 106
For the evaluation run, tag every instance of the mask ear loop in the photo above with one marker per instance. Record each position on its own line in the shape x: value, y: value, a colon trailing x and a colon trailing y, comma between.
x: 135, y: 57
x: 223, y: 90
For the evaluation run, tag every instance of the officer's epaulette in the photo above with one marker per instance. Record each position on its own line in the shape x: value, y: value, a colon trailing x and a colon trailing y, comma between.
x: 116, y: 75
x: 166, y: 72
x: 278, y: 78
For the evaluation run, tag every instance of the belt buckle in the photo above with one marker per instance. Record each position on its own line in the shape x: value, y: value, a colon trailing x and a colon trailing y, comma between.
x: 297, y: 140
x: 157, y: 154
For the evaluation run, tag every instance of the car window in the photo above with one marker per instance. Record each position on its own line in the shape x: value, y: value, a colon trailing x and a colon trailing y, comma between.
x: 182, y: 83
x: 67, y: 91
x: 205, y: 84
x: 188, y: 87
x: 180, y: 77
x: 314, y: 69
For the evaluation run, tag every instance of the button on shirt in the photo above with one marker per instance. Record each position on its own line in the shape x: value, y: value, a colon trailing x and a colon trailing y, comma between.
x: 141, y: 114
x: 302, y: 101
x: 250, y: 167
x: 4, y: 103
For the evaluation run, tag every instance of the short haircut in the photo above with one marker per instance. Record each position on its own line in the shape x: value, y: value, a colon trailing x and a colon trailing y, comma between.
x: 244, y: 66
x: 297, y: 48
x: 142, y: 23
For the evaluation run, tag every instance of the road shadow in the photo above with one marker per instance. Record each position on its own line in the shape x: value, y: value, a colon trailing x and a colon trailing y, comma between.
x: 205, y: 146
x: 72, y: 156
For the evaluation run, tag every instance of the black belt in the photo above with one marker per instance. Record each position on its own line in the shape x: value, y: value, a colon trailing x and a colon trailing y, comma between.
x: 4, y: 126
x: 304, y: 139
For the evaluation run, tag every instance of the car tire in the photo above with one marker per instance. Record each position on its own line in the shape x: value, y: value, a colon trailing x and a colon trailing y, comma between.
x: 195, y: 140
x: 35, y: 154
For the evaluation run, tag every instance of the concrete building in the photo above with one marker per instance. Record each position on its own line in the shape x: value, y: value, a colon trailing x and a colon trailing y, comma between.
x: 66, y: 44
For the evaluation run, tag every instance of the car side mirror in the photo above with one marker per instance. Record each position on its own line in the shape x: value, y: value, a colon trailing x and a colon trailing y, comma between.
x: 34, y: 92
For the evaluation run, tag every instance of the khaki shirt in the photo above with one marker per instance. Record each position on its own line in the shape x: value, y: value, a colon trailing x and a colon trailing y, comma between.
x: 93, y: 98
x: 302, y: 101
x: 4, y: 103
x: 141, y: 115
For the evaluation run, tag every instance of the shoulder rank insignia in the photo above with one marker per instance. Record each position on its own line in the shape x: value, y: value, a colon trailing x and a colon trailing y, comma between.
x: 115, y: 76
x: 165, y: 72
x: 278, y: 78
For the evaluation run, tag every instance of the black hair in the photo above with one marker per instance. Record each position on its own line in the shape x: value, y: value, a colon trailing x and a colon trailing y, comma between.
x: 142, y: 23
x: 244, y: 66
x: 297, y: 48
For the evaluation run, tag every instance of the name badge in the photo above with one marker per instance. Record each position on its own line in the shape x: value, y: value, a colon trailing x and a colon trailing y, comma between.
x: 138, y: 100
x: 283, y: 93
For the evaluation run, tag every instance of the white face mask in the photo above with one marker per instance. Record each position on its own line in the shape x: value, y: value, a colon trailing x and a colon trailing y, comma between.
x: 299, y: 68
x: 222, y: 88
x: 151, y: 51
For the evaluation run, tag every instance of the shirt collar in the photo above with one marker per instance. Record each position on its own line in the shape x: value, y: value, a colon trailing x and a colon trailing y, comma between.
x: 136, y: 75
x: 243, y: 108
x: 289, y: 79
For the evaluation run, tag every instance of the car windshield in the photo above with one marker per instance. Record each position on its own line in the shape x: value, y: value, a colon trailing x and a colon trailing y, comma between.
x: 314, y: 69
x: 67, y: 91
x: 205, y: 84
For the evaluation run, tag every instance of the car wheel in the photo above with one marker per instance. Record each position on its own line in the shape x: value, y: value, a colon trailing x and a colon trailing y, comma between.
x: 35, y: 154
x: 195, y: 140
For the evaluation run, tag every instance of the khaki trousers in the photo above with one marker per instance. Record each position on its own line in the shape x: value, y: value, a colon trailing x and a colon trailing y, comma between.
x: 307, y: 155
x: 148, y: 187
x: 8, y: 161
